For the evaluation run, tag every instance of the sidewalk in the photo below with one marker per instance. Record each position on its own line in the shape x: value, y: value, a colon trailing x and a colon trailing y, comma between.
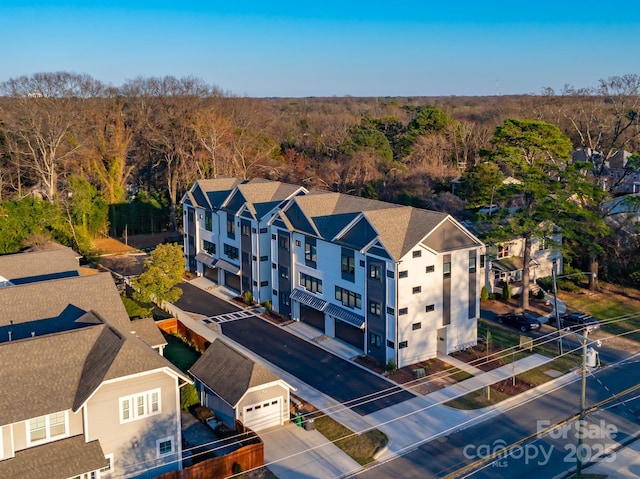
x: 624, y: 465
x: 407, y: 425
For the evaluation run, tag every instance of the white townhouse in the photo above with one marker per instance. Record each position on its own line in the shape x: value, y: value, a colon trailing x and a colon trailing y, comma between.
x: 397, y: 282
x: 226, y: 233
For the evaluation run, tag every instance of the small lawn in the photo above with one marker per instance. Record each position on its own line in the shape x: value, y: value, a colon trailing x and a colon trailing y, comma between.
x: 180, y: 353
x: 360, y: 447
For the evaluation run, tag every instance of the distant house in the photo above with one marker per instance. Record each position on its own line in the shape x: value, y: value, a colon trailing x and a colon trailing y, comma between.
x: 398, y: 283
x: 237, y: 388
x: 83, y: 393
x: 616, y: 173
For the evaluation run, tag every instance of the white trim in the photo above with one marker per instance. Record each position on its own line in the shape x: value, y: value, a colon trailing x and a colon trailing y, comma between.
x: 1, y: 443
x: 47, y: 429
x: 85, y: 419
x: 165, y: 439
x: 178, y: 428
x: 111, y: 469
x: 135, y: 402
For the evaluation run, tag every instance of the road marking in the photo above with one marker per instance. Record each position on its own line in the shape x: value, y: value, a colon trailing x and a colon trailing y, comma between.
x: 227, y: 317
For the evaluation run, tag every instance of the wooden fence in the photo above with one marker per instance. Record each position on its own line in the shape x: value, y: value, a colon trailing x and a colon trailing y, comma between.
x: 175, y: 326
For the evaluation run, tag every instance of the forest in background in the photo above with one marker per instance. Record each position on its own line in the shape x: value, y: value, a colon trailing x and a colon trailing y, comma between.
x: 98, y: 159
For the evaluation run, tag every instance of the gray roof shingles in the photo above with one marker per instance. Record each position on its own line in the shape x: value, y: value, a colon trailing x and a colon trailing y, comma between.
x: 228, y: 373
x: 39, y: 265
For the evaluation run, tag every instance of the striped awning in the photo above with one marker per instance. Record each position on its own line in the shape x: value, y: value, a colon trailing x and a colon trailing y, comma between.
x: 205, y: 259
x: 308, y: 299
x: 231, y: 268
x: 345, y: 315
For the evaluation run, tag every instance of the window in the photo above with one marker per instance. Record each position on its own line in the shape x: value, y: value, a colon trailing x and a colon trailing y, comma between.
x: 254, y: 258
x: 348, y: 298
x: 164, y: 446
x: 245, y: 230
x: 108, y: 469
x: 284, y: 299
x: 208, y: 221
x: 403, y: 274
x: 263, y: 230
x: 403, y: 311
x: 543, y: 244
x: 472, y: 264
x: 284, y: 272
x: 431, y: 268
x: 375, y: 340
x: 503, y: 251
x: 245, y: 257
x: 273, y: 237
x: 283, y: 242
x: 482, y: 260
x: 375, y: 308
x: 255, y: 283
x: 348, y: 264
x: 209, y: 247
x: 310, y: 283
x: 417, y: 289
x: 362, y: 263
x: 446, y: 269
x: 253, y: 230
x: 274, y: 266
x: 375, y: 271
x: 45, y: 428
x: 415, y: 326
x: 390, y: 344
x: 231, y: 226
x: 264, y: 283
x: 403, y: 344
x: 139, y: 405
x: 390, y: 310
x: 298, y: 243
x: 390, y: 274
x: 274, y: 292
x: 429, y: 308
x: 310, y: 252
x: 264, y: 258
x: 231, y: 251
x: 417, y: 253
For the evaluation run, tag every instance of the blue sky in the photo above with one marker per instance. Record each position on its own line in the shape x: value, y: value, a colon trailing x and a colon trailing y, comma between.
x: 327, y: 48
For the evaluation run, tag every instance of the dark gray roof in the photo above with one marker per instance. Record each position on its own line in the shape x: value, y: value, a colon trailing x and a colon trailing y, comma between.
x: 260, y: 196
x: 36, y: 266
x: 210, y: 193
x: 61, y: 459
x: 147, y: 330
x: 229, y: 373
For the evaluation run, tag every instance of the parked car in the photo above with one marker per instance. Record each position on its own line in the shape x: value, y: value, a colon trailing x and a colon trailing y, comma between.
x: 523, y: 321
x: 579, y: 321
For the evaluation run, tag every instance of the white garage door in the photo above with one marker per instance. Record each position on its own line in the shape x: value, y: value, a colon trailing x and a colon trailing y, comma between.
x: 264, y: 414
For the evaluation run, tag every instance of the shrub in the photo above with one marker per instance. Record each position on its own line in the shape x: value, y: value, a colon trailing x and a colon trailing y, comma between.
x: 268, y: 306
x: 248, y: 298
x: 545, y: 283
x: 391, y: 365
x: 484, y: 294
x: 203, y: 413
x: 237, y: 468
x: 540, y: 294
x: 188, y: 397
x: 506, y: 292
x: 566, y: 285
x: 135, y: 309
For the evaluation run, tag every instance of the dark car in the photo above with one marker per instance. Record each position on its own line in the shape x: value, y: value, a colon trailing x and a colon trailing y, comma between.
x: 523, y: 321
x: 579, y: 321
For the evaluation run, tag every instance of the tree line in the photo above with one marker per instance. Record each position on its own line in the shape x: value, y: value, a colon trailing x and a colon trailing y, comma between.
x: 85, y: 147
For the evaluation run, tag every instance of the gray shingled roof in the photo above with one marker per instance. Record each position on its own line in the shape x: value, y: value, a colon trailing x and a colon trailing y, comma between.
x: 261, y: 196
x: 229, y: 373
x: 39, y: 265
x: 399, y: 228
x: 211, y: 193
x: 61, y: 459
x: 147, y: 330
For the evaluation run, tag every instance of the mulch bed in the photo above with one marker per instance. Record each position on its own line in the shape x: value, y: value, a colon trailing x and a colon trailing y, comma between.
x: 477, y: 355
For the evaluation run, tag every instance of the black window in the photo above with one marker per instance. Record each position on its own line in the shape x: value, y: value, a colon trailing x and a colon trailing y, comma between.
x: 264, y: 283
x: 348, y: 264
x: 264, y: 258
x: 415, y: 326
x: 209, y: 247
x: 273, y: 237
x: 390, y: 310
x: 348, y: 298
x: 446, y: 269
x: 298, y: 243
x: 231, y: 226
x: 310, y: 252
x: 402, y: 311
x: 362, y: 263
x: 417, y: 289
x: 263, y: 230
x: 375, y: 271
x: 231, y: 251
x: 208, y: 221
x: 431, y: 268
x: 310, y: 283
x: 403, y: 274
x: 390, y: 273
x: 274, y: 266
x: 284, y: 272
x: 417, y: 253
x: 375, y: 340
x: 374, y: 308
x: 284, y: 299
x: 283, y: 242
x: 472, y: 264
x: 482, y: 260
x: 429, y: 308
x: 403, y: 344
x: 390, y: 344
x: 245, y: 230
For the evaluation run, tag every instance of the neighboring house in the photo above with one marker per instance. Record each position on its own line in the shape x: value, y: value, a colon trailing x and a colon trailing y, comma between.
x: 399, y: 283
x: 226, y: 233
x: 237, y: 388
x: 616, y: 176
x: 83, y: 394
x: 504, y: 261
x: 60, y: 262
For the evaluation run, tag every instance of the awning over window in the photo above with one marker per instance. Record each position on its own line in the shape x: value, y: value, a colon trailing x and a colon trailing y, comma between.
x: 222, y: 264
x: 345, y: 315
x: 205, y: 259
x: 308, y: 299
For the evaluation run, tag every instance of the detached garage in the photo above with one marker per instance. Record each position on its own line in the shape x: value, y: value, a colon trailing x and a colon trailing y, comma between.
x: 235, y: 387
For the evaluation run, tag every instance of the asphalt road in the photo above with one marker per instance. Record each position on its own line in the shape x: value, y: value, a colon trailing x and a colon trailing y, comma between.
x: 445, y: 456
x: 345, y: 382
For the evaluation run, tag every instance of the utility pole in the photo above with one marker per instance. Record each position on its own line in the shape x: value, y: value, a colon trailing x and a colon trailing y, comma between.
x: 583, y: 403
x: 555, y: 307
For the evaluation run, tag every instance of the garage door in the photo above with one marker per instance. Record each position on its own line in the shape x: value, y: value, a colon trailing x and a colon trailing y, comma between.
x: 264, y: 414
x: 211, y: 273
x: 312, y: 316
x: 349, y: 334
x: 232, y: 281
